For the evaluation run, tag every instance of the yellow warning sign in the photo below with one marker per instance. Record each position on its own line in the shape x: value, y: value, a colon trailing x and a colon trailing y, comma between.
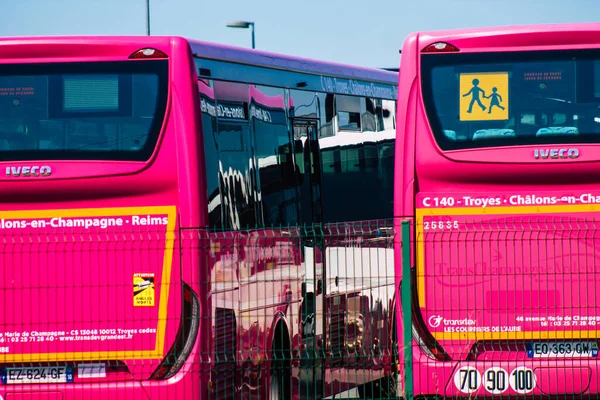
x: 143, y: 289
x: 484, y: 96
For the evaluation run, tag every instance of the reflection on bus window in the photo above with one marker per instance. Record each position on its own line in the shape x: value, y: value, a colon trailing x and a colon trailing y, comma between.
x: 273, y: 154
x: 351, y: 160
x: 255, y: 142
x: 238, y: 199
x: 348, y: 111
x: 308, y: 104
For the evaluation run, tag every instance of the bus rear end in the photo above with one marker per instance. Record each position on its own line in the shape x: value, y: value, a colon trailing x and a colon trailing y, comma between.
x: 499, y: 158
x: 95, y: 303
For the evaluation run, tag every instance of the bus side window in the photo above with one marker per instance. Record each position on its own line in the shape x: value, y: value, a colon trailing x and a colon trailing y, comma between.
x: 388, y: 113
x: 236, y: 179
x: 211, y: 153
x: 347, y: 110
x: 368, y: 109
x: 273, y: 156
x: 357, y: 170
x: 327, y: 111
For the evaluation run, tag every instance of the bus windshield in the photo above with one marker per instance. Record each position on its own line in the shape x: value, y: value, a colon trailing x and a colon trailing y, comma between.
x: 81, y: 111
x: 508, y: 99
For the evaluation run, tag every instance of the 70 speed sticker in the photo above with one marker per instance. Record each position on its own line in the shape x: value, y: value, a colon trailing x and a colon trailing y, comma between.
x: 495, y: 380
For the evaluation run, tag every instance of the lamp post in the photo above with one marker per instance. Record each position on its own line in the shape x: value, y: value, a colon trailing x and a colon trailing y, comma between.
x: 243, y: 25
x: 148, y: 17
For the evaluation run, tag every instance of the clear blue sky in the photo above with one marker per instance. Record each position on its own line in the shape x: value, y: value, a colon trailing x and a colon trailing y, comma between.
x: 367, y: 33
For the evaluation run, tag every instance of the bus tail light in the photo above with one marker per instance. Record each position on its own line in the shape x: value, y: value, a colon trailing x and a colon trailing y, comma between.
x: 148, y: 53
x: 186, y: 336
x: 440, y: 47
x: 427, y: 342
x: 420, y: 333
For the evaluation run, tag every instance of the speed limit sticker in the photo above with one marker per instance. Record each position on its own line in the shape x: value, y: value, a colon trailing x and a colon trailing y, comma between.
x: 495, y: 380
x: 522, y: 380
x: 467, y: 380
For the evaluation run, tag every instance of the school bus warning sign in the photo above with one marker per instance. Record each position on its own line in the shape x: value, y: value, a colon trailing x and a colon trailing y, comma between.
x: 143, y: 289
x: 484, y: 96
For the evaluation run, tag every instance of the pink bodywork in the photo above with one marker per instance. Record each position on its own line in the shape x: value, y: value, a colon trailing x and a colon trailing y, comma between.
x: 78, y: 283
x: 75, y: 284
x: 515, y: 260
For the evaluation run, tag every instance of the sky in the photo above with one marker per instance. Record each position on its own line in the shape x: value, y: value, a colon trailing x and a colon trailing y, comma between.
x: 365, y: 33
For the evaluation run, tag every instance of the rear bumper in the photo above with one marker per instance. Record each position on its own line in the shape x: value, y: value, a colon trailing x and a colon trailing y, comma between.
x: 181, y: 386
x: 551, y: 378
x: 116, y: 390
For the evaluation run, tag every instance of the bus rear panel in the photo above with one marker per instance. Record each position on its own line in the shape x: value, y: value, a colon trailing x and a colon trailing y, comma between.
x: 94, y: 302
x: 504, y: 209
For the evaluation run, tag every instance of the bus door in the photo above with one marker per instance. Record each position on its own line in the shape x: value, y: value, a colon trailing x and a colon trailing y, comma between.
x: 313, y: 296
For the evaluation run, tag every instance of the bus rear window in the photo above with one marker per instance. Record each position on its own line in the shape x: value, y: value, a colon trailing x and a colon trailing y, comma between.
x: 82, y: 111
x: 508, y: 99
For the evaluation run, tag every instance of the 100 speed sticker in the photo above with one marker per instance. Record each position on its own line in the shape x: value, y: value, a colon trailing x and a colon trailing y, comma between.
x: 495, y: 380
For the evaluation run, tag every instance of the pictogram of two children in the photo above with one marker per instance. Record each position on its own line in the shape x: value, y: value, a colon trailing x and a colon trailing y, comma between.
x: 475, y: 91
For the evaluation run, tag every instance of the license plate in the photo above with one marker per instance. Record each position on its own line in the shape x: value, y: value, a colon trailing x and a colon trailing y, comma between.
x: 12, y: 376
x: 562, y: 349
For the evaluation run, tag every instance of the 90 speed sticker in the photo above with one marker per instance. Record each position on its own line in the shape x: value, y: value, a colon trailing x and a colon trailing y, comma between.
x: 495, y: 380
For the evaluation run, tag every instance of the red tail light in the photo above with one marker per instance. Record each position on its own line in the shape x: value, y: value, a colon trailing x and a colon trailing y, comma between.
x: 420, y: 333
x: 440, y: 47
x: 148, y: 53
x: 186, y: 337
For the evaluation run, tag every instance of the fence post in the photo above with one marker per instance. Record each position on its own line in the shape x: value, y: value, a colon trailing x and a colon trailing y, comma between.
x: 406, y: 298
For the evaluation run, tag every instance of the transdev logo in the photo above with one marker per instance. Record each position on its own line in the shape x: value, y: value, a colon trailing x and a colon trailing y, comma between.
x: 435, y: 320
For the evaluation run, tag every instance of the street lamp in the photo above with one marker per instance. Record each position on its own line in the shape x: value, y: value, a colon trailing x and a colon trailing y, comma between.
x: 244, y: 25
x: 148, y: 17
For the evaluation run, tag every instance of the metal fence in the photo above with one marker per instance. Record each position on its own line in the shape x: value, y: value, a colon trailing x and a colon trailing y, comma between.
x: 302, y: 312
x: 313, y: 308
x: 500, y: 305
x: 406, y: 302
x: 309, y: 311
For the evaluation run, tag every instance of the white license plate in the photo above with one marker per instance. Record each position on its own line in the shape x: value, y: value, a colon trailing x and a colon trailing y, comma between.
x: 12, y: 376
x: 562, y: 349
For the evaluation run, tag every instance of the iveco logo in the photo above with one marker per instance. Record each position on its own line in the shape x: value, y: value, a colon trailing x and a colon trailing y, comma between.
x: 34, y: 170
x: 555, y: 153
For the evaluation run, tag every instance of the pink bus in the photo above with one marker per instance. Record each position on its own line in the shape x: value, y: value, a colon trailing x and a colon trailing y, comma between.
x: 184, y: 220
x: 497, y: 156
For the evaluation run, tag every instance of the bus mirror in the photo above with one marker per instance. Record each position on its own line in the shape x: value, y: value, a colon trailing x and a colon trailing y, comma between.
x: 303, y: 289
